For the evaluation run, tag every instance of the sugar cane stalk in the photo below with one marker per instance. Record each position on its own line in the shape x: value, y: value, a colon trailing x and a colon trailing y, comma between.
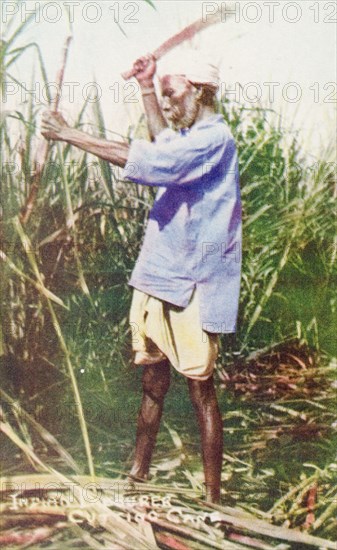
x: 44, y: 146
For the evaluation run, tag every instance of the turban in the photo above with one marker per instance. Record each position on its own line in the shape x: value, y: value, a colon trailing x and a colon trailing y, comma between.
x: 197, y: 67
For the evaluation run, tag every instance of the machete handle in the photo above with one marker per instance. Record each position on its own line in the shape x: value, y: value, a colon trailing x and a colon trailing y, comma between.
x: 132, y: 72
x: 129, y: 74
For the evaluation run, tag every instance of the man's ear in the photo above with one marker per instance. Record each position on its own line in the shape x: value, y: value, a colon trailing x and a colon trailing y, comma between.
x: 199, y: 92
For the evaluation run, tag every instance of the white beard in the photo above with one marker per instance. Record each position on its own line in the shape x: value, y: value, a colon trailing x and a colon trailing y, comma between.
x: 187, y: 120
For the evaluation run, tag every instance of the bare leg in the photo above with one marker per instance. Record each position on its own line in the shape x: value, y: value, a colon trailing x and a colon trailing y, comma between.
x: 206, y: 406
x: 156, y: 382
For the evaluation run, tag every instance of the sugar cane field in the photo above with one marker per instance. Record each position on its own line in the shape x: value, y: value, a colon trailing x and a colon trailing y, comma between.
x: 71, y: 231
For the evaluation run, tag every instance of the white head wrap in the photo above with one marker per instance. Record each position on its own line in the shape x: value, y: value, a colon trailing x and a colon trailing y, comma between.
x: 196, y: 66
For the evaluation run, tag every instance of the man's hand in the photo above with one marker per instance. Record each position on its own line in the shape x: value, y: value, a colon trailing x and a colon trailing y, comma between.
x: 53, y: 126
x: 146, y: 69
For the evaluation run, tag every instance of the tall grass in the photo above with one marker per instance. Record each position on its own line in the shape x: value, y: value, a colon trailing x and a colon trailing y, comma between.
x: 289, y: 246
x: 87, y: 228
x: 51, y: 251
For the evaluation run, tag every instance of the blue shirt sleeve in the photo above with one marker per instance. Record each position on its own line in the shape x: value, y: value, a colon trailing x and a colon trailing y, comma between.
x: 176, y: 158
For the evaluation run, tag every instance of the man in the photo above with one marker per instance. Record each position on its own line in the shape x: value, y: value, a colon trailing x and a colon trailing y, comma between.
x: 187, y: 277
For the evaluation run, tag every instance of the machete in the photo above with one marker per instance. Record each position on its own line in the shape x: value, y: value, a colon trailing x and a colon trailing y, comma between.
x: 186, y: 34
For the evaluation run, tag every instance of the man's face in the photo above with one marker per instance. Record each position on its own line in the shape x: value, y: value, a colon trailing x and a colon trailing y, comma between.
x: 179, y: 102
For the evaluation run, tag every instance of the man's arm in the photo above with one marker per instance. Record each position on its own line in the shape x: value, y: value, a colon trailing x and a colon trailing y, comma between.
x: 146, y: 68
x: 182, y: 159
x: 55, y: 127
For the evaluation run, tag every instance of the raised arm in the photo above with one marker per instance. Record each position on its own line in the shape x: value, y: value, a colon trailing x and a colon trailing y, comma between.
x: 146, y: 68
x: 56, y: 128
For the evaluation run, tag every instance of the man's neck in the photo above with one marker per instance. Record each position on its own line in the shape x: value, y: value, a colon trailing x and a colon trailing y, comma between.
x: 204, y: 112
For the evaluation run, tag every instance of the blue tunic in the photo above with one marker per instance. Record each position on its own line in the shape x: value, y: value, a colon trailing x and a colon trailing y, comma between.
x: 193, y: 235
